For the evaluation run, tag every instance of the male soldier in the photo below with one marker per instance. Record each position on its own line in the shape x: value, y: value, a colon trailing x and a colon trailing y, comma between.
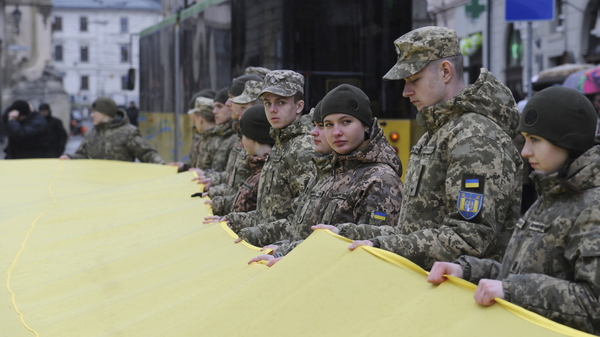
x: 463, y: 181
x: 113, y: 137
x: 236, y: 171
x: 288, y: 167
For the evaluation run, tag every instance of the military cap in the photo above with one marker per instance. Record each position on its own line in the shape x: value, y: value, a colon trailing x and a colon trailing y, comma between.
x: 250, y: 93
x: 237, y: 85
x: 255, y: 125
x: 208, y: 93
x: 105, y: 105
x: 284, y: 83
x: 562, y: 116
x: 222, y: 96
x: 417, y: 48
x: 260, y: 71
x: 347, y: 99
x: 204, y: 108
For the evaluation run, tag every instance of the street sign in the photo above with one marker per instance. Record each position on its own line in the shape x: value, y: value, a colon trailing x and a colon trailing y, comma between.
x: 528, y: 10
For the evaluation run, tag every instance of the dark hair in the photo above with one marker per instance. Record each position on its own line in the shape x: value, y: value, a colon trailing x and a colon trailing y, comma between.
x: 44, y: 106
x: 298, y: 97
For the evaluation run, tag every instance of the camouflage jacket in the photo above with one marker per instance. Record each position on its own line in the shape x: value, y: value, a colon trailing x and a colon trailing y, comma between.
x: 463, y: 180
x: 117, y: 140
x: 223, y: 194
x: 214, y: 151
x: 284, y: 176
x: 193, y: 157
x: 245, y: 198
x: 296, y: 226
x: 552, y: 263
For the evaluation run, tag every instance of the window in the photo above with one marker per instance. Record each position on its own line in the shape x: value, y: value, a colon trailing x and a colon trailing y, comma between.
x: 85, y: 83
x: 57, y: 24
x: 124, y: 53
x: 83, y: 53
x: 124, y: 80
x: 83, y: 24
x: 58, y: 53
x: 124, y: 25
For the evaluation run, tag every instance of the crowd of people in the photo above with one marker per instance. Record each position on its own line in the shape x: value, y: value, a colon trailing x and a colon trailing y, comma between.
x: 274, y: 174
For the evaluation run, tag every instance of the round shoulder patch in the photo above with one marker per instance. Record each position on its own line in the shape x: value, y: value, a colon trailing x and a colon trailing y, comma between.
x: 531, y: 117
x: 352, y: 104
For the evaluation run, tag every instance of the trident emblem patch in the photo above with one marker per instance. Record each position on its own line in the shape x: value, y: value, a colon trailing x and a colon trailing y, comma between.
x: 469, y: 204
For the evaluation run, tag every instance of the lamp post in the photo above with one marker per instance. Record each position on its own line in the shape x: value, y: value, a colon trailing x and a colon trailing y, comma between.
x: 16, y: 14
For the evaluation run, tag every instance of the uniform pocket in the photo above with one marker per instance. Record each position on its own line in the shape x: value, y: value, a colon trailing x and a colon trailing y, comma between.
x: 330, y: 211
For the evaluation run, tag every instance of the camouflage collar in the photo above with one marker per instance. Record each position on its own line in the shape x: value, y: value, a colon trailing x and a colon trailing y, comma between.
x: 293, y: 130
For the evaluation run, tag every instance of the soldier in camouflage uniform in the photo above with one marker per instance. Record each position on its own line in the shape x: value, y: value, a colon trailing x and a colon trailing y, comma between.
x: 552, y: 263
x: 223, y: 196
x: 257, y: 142
x: 463, y: 181
x: 286, y: 233
x: 226, y: 183
x: 365, y: 184
x: 288, y: 166
x: 204, y: 121
x: 113, y: 137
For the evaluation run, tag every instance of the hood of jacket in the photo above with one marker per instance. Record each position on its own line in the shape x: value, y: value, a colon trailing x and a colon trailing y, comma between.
x: 583, y: 174
x: 322, y: 164
x: 375, y: 150
x: 299, y: 127
x: 487, y: 97
x: 118, y: 121
x: 224, y: 130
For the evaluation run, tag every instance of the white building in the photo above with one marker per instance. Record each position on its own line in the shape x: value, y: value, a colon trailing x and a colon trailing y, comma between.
x: 95, y: 43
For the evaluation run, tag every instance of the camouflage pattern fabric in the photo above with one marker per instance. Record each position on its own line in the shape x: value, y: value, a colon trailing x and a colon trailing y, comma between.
x: 364, y: 187
x: 296, y: 226
x: 216, y: 146
x: 284, y: 83
x: 245, y: 198
x: 418, y: 47
x: 193, y: 157
x: 116, y: 140
x: 223, y: 194
x: 552, y: 263
x: 260, y: 71
x: 468, y: 135
x: 284, y: 176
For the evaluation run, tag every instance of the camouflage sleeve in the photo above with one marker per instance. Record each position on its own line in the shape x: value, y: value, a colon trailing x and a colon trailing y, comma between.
x: 239, y: 220
x: 381, y: 200
x: 364, y: 231
x: 81, y: 152
x: 266, y: 234
x: 287, y: 247
x: 142, y: 150
x: 220, y: 190
x: 475, y: 269
x: 218, y: 178
x: 218, y: 206
x: 456, y: 236
x: 573, y: 302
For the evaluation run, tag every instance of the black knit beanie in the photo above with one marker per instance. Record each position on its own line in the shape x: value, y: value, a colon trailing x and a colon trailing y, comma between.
x: 105, y: 105
x: 255, y: 125
x: 350, y: 100
x: 562, y: 116
x: 222, y: 96
x: 316, y: 117
x: 21, y: 106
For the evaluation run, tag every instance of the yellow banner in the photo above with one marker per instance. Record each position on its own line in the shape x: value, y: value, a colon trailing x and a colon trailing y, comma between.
x: 104, y: 248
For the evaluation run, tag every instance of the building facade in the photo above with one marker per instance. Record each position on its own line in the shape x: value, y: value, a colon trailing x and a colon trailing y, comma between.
x: 573, y: 36
x: 96, y: 43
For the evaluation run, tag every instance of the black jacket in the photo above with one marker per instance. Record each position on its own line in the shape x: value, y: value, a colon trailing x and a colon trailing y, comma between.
x: 27, y: 138
x: 57, y: 136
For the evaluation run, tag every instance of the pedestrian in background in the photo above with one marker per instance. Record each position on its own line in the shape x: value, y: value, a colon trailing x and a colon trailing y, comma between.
x: 132, y: 113
x: 552, y: 262
x: 27, y: 132
x: 57, y: 135
x: 113, y: 137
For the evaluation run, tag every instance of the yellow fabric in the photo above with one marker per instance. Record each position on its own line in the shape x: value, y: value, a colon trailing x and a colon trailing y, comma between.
x: 103, y: 248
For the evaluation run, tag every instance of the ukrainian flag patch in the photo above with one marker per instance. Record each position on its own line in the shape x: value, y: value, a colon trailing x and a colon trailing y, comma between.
x: 379, y: 215
x: 471, y: 183
x: 469, y: 204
